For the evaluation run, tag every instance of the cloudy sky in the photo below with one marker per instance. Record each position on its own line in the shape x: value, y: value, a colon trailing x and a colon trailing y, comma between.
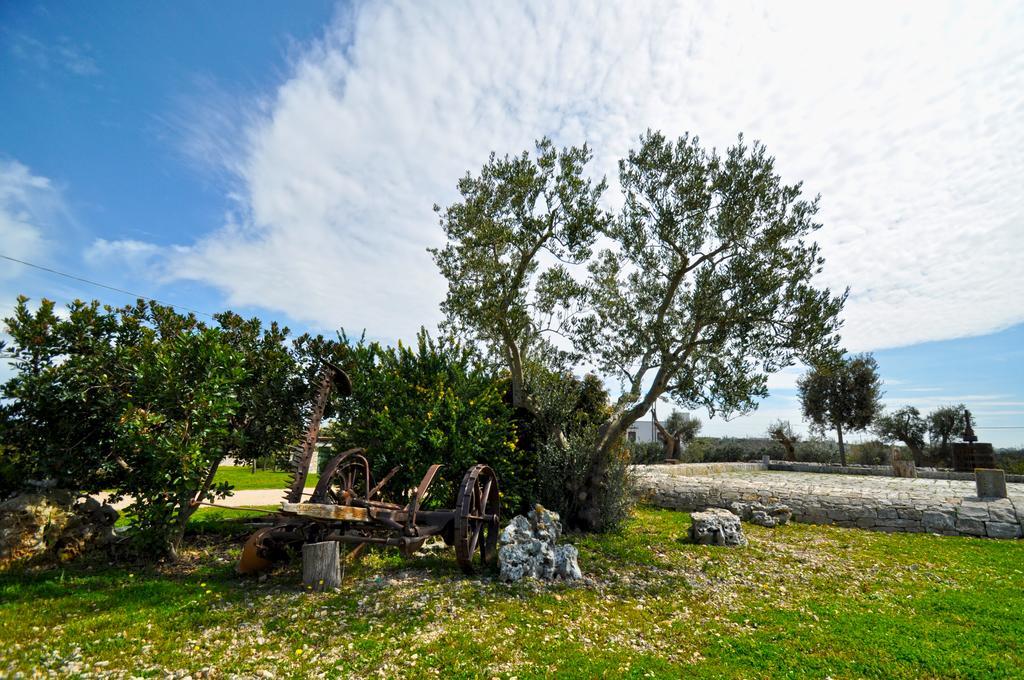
x: 282, y: 159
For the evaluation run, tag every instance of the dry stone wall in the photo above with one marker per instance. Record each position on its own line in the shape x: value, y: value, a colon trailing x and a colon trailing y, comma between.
x: 889, y: 504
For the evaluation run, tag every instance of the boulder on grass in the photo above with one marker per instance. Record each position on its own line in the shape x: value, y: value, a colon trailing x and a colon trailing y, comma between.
x: 527, y: 548
x: 52, y: 525
x: 716, y: 526
x: 771, y: 515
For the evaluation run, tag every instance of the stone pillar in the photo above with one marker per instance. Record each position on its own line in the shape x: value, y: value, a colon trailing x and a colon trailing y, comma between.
x: 765, y: 459
x: 991, y: 483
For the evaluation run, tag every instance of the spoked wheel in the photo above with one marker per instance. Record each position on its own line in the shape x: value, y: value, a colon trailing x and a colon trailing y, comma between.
x: 346, y: 478
x: 477, y: 519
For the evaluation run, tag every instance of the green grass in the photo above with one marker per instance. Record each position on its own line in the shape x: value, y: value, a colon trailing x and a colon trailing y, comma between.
x: 800, y: 601
x: 243, y: 478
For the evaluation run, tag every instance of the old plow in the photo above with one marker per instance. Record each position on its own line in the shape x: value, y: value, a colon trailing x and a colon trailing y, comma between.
x: 346, y: 505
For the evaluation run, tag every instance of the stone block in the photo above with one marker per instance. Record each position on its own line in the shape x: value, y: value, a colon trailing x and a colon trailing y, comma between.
x: 976, y: 510
x: 937, y: 521
x: 1002, y: 510
x: 910, y: 513
x: 991, y: 483
x: 970, y: 527
x: 1002, y: 530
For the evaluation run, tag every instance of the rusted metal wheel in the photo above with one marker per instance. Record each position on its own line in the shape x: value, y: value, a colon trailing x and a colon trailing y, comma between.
x: 477, y: 512
x: 345, y: 478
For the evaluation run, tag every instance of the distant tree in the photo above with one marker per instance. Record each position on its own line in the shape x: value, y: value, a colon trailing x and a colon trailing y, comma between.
x: 678, y: 431
x: 904, y: 425
x: 782, y: 432
x: 945, y: 423
x: 844, y: 395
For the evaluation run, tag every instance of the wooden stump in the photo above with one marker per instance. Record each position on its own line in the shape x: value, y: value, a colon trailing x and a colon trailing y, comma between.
x: 321, y: 566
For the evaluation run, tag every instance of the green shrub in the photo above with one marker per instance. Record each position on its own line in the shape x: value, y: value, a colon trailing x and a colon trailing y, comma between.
x: 432, y: 403
x: 590, y: 492
x: 645, y: 453
x: 872, y: 452
x: 732, y: 449
x: 817, y: 451
x: 147, y: 402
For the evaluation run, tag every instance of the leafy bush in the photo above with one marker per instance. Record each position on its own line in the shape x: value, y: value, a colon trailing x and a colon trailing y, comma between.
x: 728, y: 449
x: 817, y: 451
x: 645, y: 453
x: 432, y: 403
x: 590, y: 492
x: 147, y: 402
x: 872, y: 452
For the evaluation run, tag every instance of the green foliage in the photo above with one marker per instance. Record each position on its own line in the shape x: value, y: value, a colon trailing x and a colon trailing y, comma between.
x: 944, y: 424
x: 682, y: 426
x: 705, y: 290
x: 709, y: 288
x: 510, y: 213
x: 843, y: 395
x: 591, y: 489
x: 872, y: 452
x: 903, y: 425
x: 817, y: 450
x: 646, y: 453
x: 147, y: 402
x: 728, y: 449
x: 782, y: 432
x: 176, y: 428
x: 431, y: 403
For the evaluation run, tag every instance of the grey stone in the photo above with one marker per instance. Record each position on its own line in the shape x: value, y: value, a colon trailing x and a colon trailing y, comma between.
x: 1002, y: 530
x: 972, y: 527
x: 1002, y: 510
x: 716, y: 526
x: 771, y: 515
x: 567, y: 563
x: 527, y: 549
x: 973, y: 509
x: 991, y: 483
x: 938, y: 521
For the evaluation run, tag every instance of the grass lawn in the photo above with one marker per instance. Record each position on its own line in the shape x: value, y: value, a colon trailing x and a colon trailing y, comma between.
x: 243, y: 478
x: 799, y: 601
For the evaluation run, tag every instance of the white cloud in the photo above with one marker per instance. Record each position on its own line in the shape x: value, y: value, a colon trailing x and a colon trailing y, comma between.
x: 63, y: 54
x: 27, y: 202
x: 29, y: 207
x: 907, y: 119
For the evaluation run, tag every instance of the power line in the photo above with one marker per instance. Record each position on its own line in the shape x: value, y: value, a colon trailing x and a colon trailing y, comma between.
x: 103, y: 285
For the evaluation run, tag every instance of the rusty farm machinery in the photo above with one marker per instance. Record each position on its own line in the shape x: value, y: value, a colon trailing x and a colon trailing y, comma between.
x: 346, y: 505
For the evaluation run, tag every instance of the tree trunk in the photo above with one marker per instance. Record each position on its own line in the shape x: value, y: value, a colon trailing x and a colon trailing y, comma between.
x: 321, y: 565
x: 917, y: 453
x: 787, y: 444
x: 186, y: 508
x: 670, y: 443
x: 842, y: 446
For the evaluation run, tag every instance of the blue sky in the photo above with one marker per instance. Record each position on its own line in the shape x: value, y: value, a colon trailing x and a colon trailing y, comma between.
x: 282, y: 159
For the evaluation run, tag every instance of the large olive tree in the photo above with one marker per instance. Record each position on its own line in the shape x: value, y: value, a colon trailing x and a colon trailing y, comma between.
x: 519, y: 222
x: 704, y: 289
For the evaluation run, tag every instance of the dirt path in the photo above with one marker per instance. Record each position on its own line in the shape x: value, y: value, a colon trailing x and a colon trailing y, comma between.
x: 248, y: 497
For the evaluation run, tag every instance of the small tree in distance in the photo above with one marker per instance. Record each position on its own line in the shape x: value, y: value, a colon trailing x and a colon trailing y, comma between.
x: 904, y: 425
x: 678, y: 431
x: 843, y: 396
x: 782, y: 432
x: 945, y: 423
